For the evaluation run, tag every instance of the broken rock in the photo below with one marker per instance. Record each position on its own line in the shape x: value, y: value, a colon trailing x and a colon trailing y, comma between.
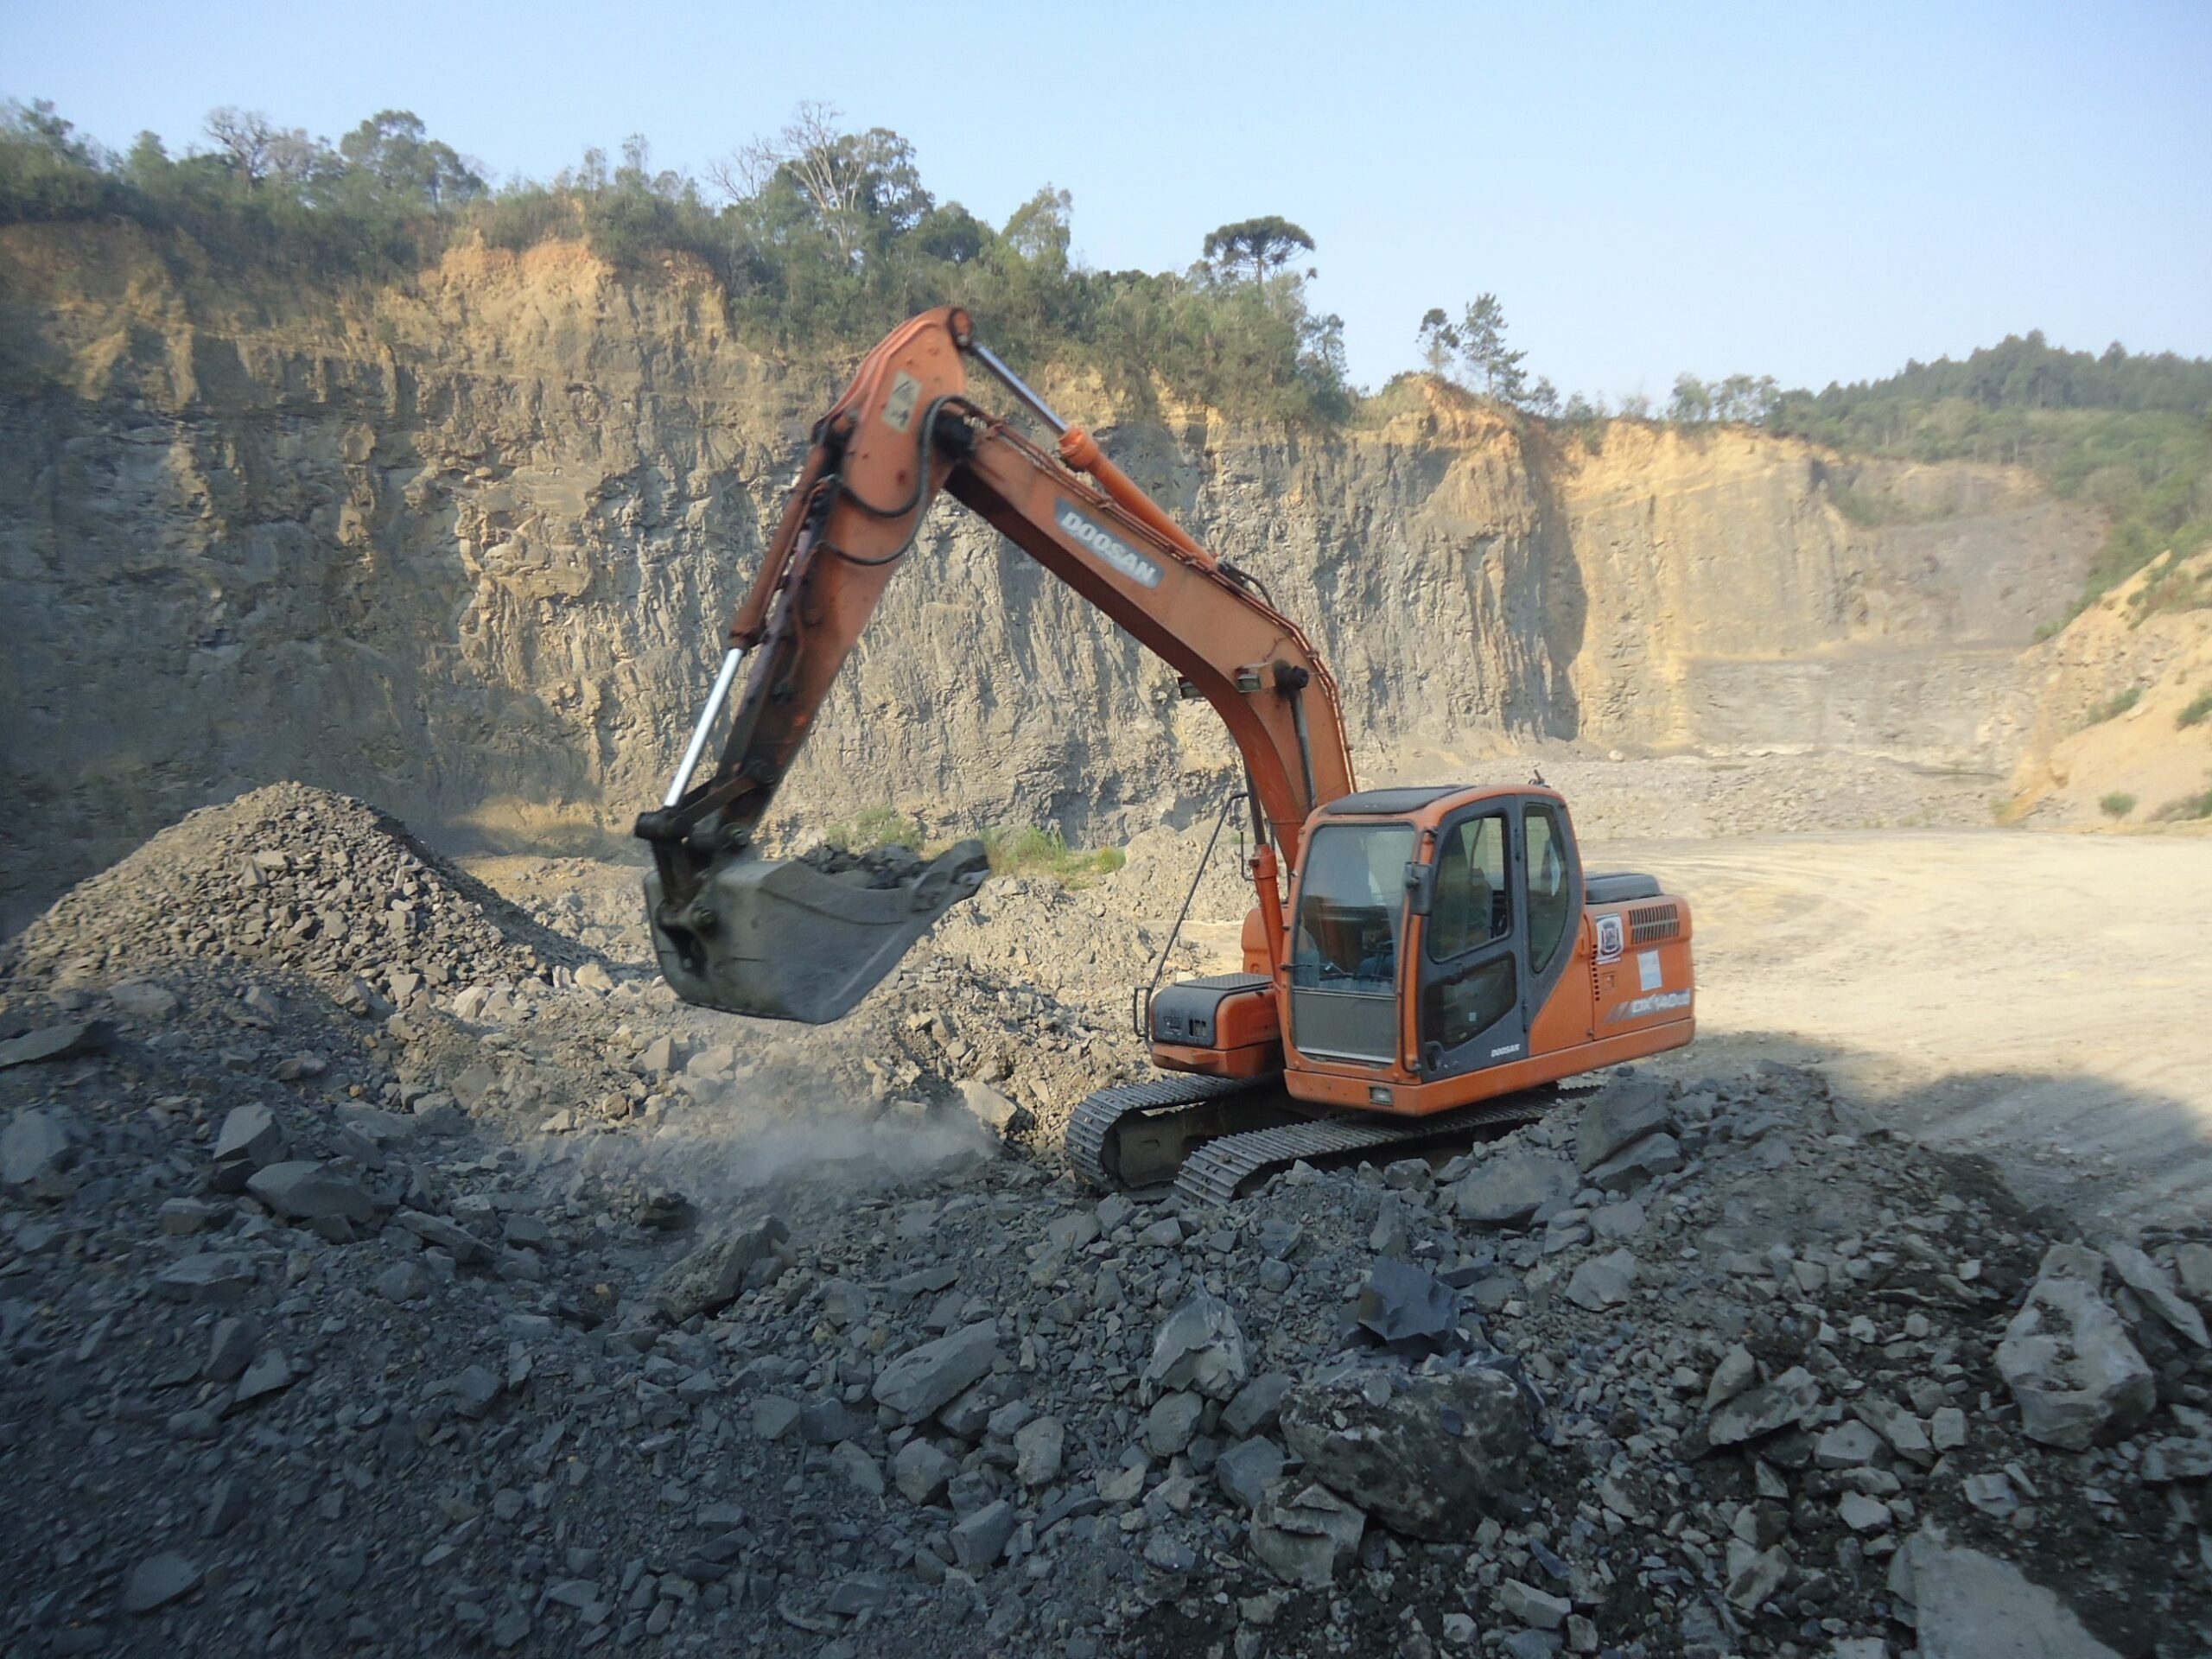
x: 2149, y: 1280
x: 1304, y: 1532
x: 1508, y: 1188
x: 1399, y: 1304
x: 710, y: 1277
x: 1623, y: 1115
x: 924, y: 1379
x: 302, y: 1190
x: 35, y: 1147
x: 1429, y: 1453
x: 1757, y: 1412
x: 1198, y: 1348
x: 2066, y: 1359
x: 1968, y: 1606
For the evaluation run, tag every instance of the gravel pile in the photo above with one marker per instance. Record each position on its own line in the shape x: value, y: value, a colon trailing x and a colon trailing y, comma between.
x: 536, y: 1313
x: 288, y: 878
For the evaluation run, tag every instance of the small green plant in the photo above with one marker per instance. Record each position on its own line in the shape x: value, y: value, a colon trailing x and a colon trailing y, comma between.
x: 1028, y: 850
x: 877, y: 826
x: 2118, y: 805
x: 2199, y: 706
x: 2188, y: 807
x: 2113, y: 707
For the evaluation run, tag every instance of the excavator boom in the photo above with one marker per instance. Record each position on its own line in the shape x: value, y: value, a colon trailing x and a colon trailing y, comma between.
x: 784, y: 940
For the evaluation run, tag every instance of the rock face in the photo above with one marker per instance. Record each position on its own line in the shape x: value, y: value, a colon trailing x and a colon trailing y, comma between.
x: 2067, y: 1358
x: 522, y: 490
x: 1429, y: 1453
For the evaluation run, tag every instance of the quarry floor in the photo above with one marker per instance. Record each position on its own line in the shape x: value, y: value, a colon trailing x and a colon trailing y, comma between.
x: 2044, y: 999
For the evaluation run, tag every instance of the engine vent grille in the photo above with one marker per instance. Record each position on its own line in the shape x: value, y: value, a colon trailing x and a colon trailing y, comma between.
x: 1648, y: 923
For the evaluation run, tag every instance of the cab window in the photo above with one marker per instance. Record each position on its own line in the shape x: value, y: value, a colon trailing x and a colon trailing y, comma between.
x: 1351, y: 904
x: 1473, y: 905
x: 1548, y: 885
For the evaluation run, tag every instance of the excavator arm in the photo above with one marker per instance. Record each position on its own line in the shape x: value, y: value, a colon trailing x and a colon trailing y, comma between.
x: 753, y: 935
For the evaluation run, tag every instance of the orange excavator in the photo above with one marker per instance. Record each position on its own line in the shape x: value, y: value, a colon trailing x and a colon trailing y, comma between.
x: 1422, y: 964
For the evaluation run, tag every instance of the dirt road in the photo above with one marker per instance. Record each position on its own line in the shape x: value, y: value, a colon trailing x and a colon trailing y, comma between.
x: 2045, y: 999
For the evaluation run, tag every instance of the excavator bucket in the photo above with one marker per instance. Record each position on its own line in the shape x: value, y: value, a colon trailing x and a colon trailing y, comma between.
x: 784, y: 939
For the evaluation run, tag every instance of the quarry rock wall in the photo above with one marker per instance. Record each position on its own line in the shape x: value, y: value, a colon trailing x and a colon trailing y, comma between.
x: 465, y: 545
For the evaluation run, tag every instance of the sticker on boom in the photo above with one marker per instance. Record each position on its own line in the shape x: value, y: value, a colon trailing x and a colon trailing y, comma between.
x: 899, y: 408
x: 1104, y: 545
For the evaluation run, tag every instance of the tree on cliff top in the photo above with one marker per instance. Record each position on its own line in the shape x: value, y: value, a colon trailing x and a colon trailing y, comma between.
x: 1265, y: 243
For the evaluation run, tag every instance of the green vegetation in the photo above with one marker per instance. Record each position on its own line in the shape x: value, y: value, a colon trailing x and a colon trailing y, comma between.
x: 2178, y: 585
x: 2131, y: 435
x: 1031, y: 851
x: 2113, y: 707
x: 1014, y: 849
x: 2118, y: 805
x: 2199, y: 706
x: 821, y: 238
x: 2188, y: 807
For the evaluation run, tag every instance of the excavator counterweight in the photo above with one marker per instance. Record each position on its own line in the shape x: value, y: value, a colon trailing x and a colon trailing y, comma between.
x: 1421, y: 964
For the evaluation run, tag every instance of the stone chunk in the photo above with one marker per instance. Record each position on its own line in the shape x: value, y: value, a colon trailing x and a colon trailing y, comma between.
x: 302, y: 1190
x: 861, y: 1472
x: 2149, y: 1280
x: 34, y: 1146
x: 919, y: 1469
x: 1304, y: 1532
x: 158, y: 1580
x: 1170, y: 1422
x: 2066, y: 1359
x: 1198, y: 1348
x: 142, y: 999
x: 1429, y: 1453
x: 924, y: 1379
x: 1507, y: 1189
x: 1624, y: 1114
x: 987, y: 1106
x: 1603, y: 1281
x: 250, y: 1139
x: 1257, y: 1403
x: 1535, y: 1608
x: 54, y: 1043
x: 1761, y: 1411
x: 1399, y: 1304
x: 213, y: 1276
x: 979, y: 1541
x: 1968, y: 1606
x: 1038, y: 1450
x: 271, y: 1374
x: 710, y: 1277
x: 1245, y: 1471
x: 1629, y: 1171
x: 2193, y: 1262
x: 450, y: 1236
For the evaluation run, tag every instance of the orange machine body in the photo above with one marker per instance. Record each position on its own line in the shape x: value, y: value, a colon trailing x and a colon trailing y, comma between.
x: 1617, y: 982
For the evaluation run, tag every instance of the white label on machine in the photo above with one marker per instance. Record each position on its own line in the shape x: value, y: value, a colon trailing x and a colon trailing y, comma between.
x: 898, y: 409
x: 1648, y: 976
x: 1610, y: 935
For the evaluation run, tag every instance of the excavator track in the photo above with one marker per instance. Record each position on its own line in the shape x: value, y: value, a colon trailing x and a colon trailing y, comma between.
x: 1225, y: 1169
x: 1217, y: 1137
x: 1139, y: 1135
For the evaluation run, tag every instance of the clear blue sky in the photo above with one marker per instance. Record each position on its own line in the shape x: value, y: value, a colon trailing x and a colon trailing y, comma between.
x: 1811, y: 191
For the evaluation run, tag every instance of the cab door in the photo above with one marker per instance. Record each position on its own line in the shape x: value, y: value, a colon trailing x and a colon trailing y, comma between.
x: 1470, y: 976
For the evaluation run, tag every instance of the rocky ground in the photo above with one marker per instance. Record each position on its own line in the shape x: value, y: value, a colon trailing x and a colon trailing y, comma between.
x: 384, y: 1269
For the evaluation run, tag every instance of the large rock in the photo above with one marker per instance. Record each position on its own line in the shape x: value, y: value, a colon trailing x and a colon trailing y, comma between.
x: 2150, y: 1281
x: 1756, y: 1412
x: 2066, y: 1357
x: 1198, y: 1348
x: 250, y: 1139
x: 35, y: 1147
x: 304, y: 1191
x: 1403, y: 1306
x: 1304, y: 1532
x: 925, y: 1379
x: 1636, y: 1165
x: 1968, y: 1606
x: 709, y: 1279
x: 1508, y: 1188
x: 1625, y: 1113
x: 1429, y: 1453
x: 1603, y: 1281
x: 54, y: 1043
